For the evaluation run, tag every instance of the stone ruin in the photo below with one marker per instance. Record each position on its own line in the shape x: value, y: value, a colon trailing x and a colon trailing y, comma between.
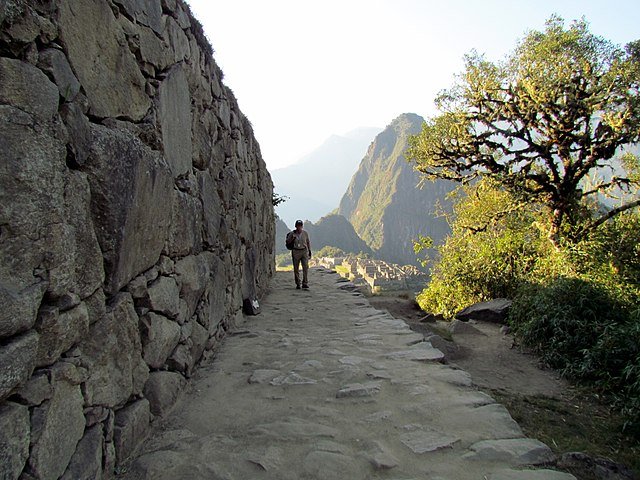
x: 135, y: 217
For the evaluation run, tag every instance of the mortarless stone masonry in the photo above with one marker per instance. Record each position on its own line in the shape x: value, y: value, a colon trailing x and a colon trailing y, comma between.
x: 135, y: 215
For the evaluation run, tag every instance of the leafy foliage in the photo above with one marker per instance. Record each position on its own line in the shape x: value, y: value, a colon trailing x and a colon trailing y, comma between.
x: 538, y: 123
x: 329, y: 251
x: 578, y: 306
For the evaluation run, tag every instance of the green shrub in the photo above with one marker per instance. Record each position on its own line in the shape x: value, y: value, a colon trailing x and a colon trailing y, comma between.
x: 586, y: 331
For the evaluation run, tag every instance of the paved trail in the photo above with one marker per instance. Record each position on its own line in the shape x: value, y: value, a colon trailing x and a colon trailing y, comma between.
x: 321, y: 385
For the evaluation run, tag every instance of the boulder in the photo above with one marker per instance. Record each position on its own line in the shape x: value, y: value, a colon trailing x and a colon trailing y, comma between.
x: 131, y: 427
x: 159, y: 337
x: 97, y: 51
x: 14, y: 439
x: 162, y: 390
x: 130, y: 203
x: 18, y: 359
x: 495, y: 311
x: 458, y: 327
x: 86, y: 462
x: 112, y: 353
x: 57, y: 426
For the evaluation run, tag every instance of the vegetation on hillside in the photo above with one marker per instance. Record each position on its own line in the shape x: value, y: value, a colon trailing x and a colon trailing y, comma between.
x: 529, y: 140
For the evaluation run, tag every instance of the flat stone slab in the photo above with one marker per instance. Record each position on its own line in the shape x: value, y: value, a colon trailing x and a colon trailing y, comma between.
x: 359, y: 390
x: 423, y: 441
x: 516, y: 451
x: 420, y: 353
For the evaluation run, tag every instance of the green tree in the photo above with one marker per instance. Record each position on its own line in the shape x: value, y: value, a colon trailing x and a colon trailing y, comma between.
x: 554, y: 112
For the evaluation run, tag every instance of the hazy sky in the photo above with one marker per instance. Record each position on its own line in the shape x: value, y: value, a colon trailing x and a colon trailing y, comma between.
x: 303, y: 70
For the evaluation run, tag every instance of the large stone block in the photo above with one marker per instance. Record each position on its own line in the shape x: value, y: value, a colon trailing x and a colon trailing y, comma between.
x: 14, y: 439
x: 193, y: 273
x: 211, y: 208
x: 79, y: 130
x: 98, y: 52
x: 60, y: 331
x: 175, y: 118
x: 54, y: 62
x: 145, y: 12
x: 131, y: 203
x: 177, y: 39
x: 57, y: 426
x: 154, y: 50
x: 86, y: 462
x: 159, y: 337
x: 113, y: 356
x: 162, y: 391
x: 27, y: 88
x: 131, y: 427
x: 32, y: 180
x: 17, y: 361
x: 184, y: 236
x: 164, y: 297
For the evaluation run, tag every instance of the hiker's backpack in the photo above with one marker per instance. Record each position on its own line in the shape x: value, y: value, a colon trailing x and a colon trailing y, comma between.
x: 289, y: 241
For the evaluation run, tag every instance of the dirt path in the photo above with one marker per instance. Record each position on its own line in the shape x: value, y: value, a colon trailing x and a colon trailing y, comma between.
x: 323, y: 386
x: 489, y: 356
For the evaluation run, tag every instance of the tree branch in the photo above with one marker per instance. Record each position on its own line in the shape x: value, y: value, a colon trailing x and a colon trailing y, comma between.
x: 612, y: 213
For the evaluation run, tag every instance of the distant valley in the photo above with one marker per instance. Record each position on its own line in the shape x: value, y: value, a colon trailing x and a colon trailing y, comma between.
x: 381, y: 210
x: 318, y: 180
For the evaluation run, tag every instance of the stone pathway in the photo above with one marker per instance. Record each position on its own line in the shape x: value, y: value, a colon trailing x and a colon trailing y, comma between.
x: 321, y: 385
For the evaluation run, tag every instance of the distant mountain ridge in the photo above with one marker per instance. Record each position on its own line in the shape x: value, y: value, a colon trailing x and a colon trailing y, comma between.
x: 383, y: 201
x: 316, y: 182
x: 331, y: 230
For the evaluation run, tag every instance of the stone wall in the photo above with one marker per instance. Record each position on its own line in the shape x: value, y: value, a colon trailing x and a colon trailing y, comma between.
x: 135, y: 217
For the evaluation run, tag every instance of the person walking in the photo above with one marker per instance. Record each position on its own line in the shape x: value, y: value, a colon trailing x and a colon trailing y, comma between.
x: 301, y: 253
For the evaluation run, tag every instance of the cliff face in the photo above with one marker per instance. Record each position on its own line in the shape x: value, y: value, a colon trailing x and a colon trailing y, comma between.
x: 383, y: 201
x: 335, y: 231
x: 135, y: 217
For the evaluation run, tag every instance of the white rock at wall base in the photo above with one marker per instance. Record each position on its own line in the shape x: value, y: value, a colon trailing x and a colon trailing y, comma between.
x: 14, y: 439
